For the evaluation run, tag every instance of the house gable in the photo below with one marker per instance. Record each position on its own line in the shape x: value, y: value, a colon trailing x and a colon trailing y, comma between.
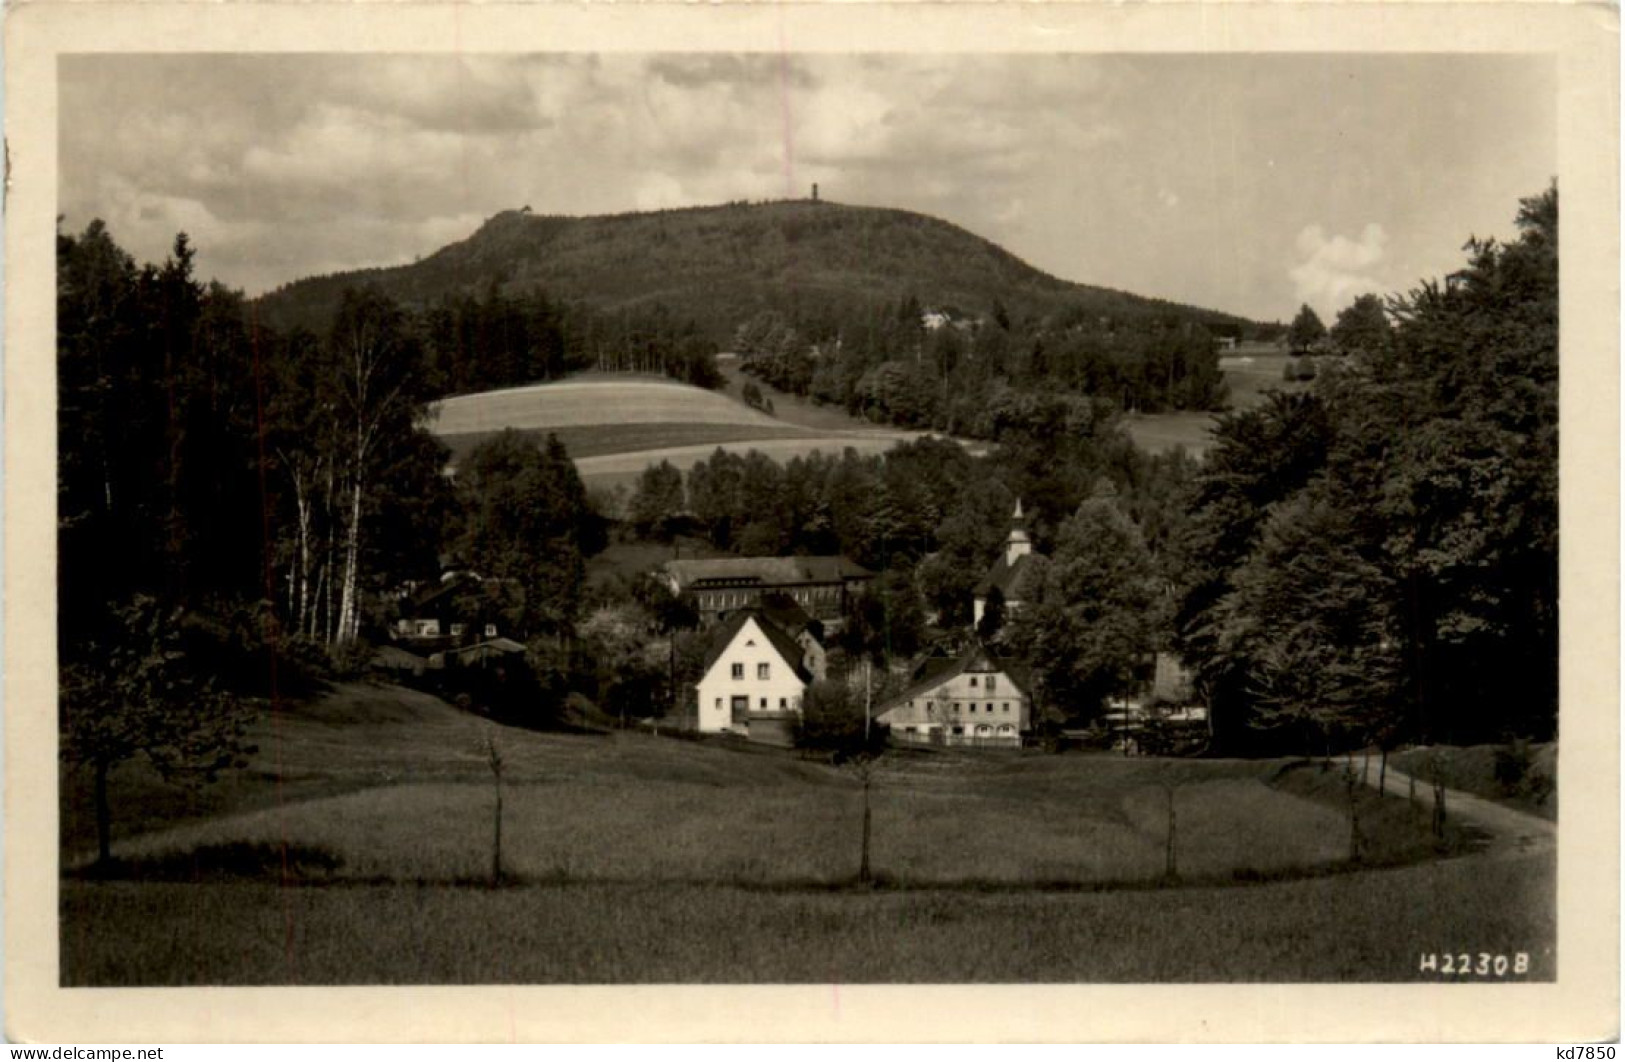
x: 979, y: 691
x: 752, y: 673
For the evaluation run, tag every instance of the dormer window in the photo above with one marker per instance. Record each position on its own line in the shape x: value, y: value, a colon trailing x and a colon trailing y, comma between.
x: 490, y: 630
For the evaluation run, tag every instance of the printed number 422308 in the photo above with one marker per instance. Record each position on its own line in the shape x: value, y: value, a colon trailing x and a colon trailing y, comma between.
x: 1468, y: 964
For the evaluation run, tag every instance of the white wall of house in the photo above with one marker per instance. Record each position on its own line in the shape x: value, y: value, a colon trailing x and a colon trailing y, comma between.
x: 739, y: 672
x: 980, y: 705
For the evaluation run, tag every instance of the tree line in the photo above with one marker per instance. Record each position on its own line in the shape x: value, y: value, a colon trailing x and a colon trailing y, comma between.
x: 957, y: 373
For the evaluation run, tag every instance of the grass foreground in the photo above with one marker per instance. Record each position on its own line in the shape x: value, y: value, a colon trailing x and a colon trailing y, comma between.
x: 1372, y: 926
x: 357, y: 849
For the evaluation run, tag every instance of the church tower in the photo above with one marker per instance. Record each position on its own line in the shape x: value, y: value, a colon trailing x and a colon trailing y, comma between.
x: 1018, y: 544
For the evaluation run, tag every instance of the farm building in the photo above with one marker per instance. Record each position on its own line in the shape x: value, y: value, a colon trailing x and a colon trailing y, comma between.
x: 717, y: 588
x: 446, y: 614
x: 976, y: 699
x: 754, y: 676
x: 1009, y: 580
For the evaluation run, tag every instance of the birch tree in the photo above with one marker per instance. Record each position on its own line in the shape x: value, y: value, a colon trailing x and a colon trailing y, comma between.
x: 374, y: 371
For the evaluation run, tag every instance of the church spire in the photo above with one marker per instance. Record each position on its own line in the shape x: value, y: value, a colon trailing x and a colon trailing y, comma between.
x: 1017, y: 545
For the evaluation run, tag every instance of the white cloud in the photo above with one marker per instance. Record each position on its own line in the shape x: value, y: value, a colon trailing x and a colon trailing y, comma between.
x: 1333, y: 270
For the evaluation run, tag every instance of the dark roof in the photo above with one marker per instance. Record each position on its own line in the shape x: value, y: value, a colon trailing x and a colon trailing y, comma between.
x: 1010, y: 579
x: 436, y: 595
x: 783, y: 610
x: 781, y: 642
x: 937, y: 670
x: 769, y: 571
x: 932, y: 668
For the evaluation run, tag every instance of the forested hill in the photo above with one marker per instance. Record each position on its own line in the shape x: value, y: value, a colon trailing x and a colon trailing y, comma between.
x: 719, y: 266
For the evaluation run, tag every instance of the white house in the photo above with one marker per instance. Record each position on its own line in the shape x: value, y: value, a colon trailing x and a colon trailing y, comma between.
x: 1010, y: 575
x: 976, y: 699
x: 754, y: 678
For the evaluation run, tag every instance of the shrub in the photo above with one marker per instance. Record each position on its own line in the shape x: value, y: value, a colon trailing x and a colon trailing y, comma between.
x: 351, y: 659
x: 831, y: 720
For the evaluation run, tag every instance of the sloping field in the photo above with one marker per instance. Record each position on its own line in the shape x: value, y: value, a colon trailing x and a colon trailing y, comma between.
x: 615, y: 426
x: 393, y: 785
x: 587, y: 400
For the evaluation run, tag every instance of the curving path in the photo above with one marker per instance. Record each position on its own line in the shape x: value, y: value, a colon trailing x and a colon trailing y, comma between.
x: 1511, y: 830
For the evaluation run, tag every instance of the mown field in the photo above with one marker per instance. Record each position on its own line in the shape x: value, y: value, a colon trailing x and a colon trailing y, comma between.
x: 357, y: 849
x: 615, y: 425
x: 588, y: 399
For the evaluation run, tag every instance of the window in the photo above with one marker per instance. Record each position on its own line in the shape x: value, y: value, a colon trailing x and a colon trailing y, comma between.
x: 762, y: 671
x: 959, y: 730
x: 992, y: 683
x: 719, y: 702
x: 784, y: 703
x: 739, y: 671
x: 973, y: 682
x: 1007, y: 706
x: 764, y: 704
x: 490, y: 630
x: 930, y: 706
x: 990, y: 709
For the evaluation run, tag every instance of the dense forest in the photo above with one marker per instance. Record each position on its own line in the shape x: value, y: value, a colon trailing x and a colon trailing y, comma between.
x: 963, y: 375
x: 1373, y: 560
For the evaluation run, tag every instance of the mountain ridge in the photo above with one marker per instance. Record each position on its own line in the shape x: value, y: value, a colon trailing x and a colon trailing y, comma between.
x: 719, y: 265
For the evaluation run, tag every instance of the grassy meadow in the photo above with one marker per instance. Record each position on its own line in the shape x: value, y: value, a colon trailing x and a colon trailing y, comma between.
x: 357, y: 848
x: 615, y: 425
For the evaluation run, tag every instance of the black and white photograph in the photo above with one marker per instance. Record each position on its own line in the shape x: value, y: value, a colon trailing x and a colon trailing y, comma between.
x: 611, y: 516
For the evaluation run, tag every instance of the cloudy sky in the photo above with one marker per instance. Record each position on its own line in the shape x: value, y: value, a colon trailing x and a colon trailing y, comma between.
x: 1244, y: 183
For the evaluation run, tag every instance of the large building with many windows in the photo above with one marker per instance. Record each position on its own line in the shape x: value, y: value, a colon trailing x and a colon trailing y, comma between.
x: 718, y: 587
